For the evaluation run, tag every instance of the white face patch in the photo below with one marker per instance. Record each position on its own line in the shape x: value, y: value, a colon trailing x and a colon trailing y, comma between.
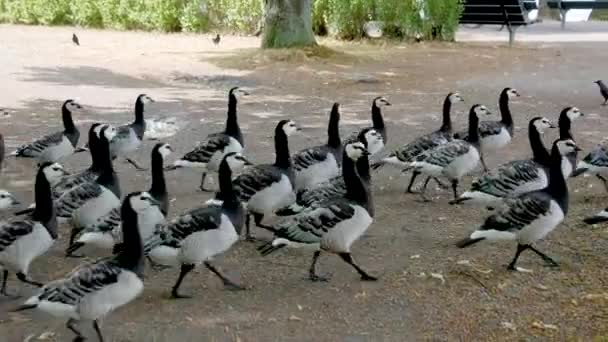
x: 165, y: 150
x: 145, y: 99
x: 290, y: 128
x: 98, y: 129
x: 73, y: 106
x: 455, y: 98
x: 482, y: 110
x: 374, y: 141
x: 512, y: 93
x: 239, y: 93
x: 355, y: 150
x: 382, y: 102
x: 141, y: 202
x: 53, y: 173
x: 566, y: 147
x: 542, y: 124
x: 110, y: 132
x: 573, y: 113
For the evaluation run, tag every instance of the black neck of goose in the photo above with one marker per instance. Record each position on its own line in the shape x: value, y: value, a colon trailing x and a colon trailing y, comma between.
x: 139, y: 111
x: 228, y: 194
x: 96, y: 162
x: 565, y: 127
x: 363, y: 169
x: 473, y: 128
x: 377, y: 119
x: 107, y: 176
x: 45, y: 210
x: 132, y: 256
x: 558, y: 188
x: 356, y: 189
x: 283, y: 160
x: 158, y: 189
x: 505, y: 111
x: 68, y: 122
x: 232, y: 124
x: 333, y: 130
x: 446, y: 125
x: 539, y: 152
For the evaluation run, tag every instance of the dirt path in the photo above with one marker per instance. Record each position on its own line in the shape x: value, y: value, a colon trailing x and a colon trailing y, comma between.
x: 409, y: 241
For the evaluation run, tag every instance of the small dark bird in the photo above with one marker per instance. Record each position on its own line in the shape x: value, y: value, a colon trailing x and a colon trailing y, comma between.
x: 217, y: 39
x: 603, y: 91
x: 75, y: 39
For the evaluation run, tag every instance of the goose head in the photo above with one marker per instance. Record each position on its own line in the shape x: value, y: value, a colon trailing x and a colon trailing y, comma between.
x: 541, y: 124
x: 72, y: 106
x: 8, y: 200
x: 144, y: 99
x: 511, y: 93
x: 480, y: 110
x: 567, y: 147
x: 381, y: 101
x: 236, y: 161
x: 572, y: 113
x: 237, y: 92
x: 108, y: 131
x: 163, y: 149
x: 53, y: 172
x: 141, y: 201
x: 289, y: 127
x: 372, y: 139
x: 455, y: 98
x: 356, y: 150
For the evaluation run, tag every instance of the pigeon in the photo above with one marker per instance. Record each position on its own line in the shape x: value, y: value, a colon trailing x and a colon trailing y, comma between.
x: 75, y: 39
x: 603, y: 91
x: 217, y: 39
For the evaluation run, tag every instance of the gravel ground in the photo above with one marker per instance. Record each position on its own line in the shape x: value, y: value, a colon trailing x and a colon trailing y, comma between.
x: 410, y: 244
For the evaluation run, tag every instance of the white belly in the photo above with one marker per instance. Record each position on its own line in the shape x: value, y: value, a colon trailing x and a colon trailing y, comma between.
x: 202, y: 246
x: 317, y: 173
x: 102, y: 240
x: 95, y: 208
x: 111, y: 297
x: 539, y: 228
x: 125, y: 146
x: 276, y: 196
x: 341, y: 237
x: 462, y: 165
x: 57, y: 152
x: 18, y: 256
x: 496, y: 141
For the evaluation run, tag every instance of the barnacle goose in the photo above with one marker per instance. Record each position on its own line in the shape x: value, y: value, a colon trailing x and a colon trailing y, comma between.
x: 334, y: 225
x: 8, y: 200
x: 405, y: 154
x: 566, y: 117
x: 317, y: 164
x: 24, y: 239
x: 129, y: 137
x: 55, y: 146
x: 105, y: 233
x: 596, y: 163
x: 84, y: 204
x: 377, y: 122
x: 454, y: 159
x: 268, y: 187
x: 335, y: 187
x: 200, y: 234
x: 515, y: 177
x: 209, y: 153
x: 495, y: 135
x: 530, y: 216
x: 93, y: 290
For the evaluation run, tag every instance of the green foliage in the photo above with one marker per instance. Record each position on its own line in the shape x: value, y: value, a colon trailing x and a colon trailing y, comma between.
x: 342, y: 18
x: 401, y: 18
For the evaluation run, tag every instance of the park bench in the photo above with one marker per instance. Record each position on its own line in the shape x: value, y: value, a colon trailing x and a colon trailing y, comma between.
x: 510, y: 13
x: 565, y: 6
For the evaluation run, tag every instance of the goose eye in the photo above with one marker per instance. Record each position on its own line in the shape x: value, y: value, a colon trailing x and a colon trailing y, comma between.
x: 2, y: 196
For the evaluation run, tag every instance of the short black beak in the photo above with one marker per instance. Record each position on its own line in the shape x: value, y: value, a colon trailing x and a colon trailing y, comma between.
x: 247, y: 162
x: 366, y: 153
x: 245, y: 93
x: 576, y: 148
x: 154, y: 202
x: 552, y: 126
x: 387, y: 103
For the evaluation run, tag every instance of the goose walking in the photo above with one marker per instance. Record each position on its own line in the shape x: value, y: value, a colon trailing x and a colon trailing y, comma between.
x: 530, y: 216
x: 335, y: 187
x: 334, y: 226
x: 84, y: 204
x: 24, y: 239
x: 93, y: 290
x: 130, y: 136
x: 318, y: 164
x: 515, y: 177
x: 209, y: 153
x: 55, y: 146
x: 268, y: 187
x: 405, y: 154
x: 567, y: 116
x: 377, y: 122
x: 105, y: 233
x: 495, y: 135
x: 202, y: 233
x: 455, y: 159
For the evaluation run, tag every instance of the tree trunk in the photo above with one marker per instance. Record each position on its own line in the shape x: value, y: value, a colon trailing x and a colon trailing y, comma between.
x: 288, y: 24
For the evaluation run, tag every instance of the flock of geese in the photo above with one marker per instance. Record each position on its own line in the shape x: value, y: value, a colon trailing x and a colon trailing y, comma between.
x: 323, y: 192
